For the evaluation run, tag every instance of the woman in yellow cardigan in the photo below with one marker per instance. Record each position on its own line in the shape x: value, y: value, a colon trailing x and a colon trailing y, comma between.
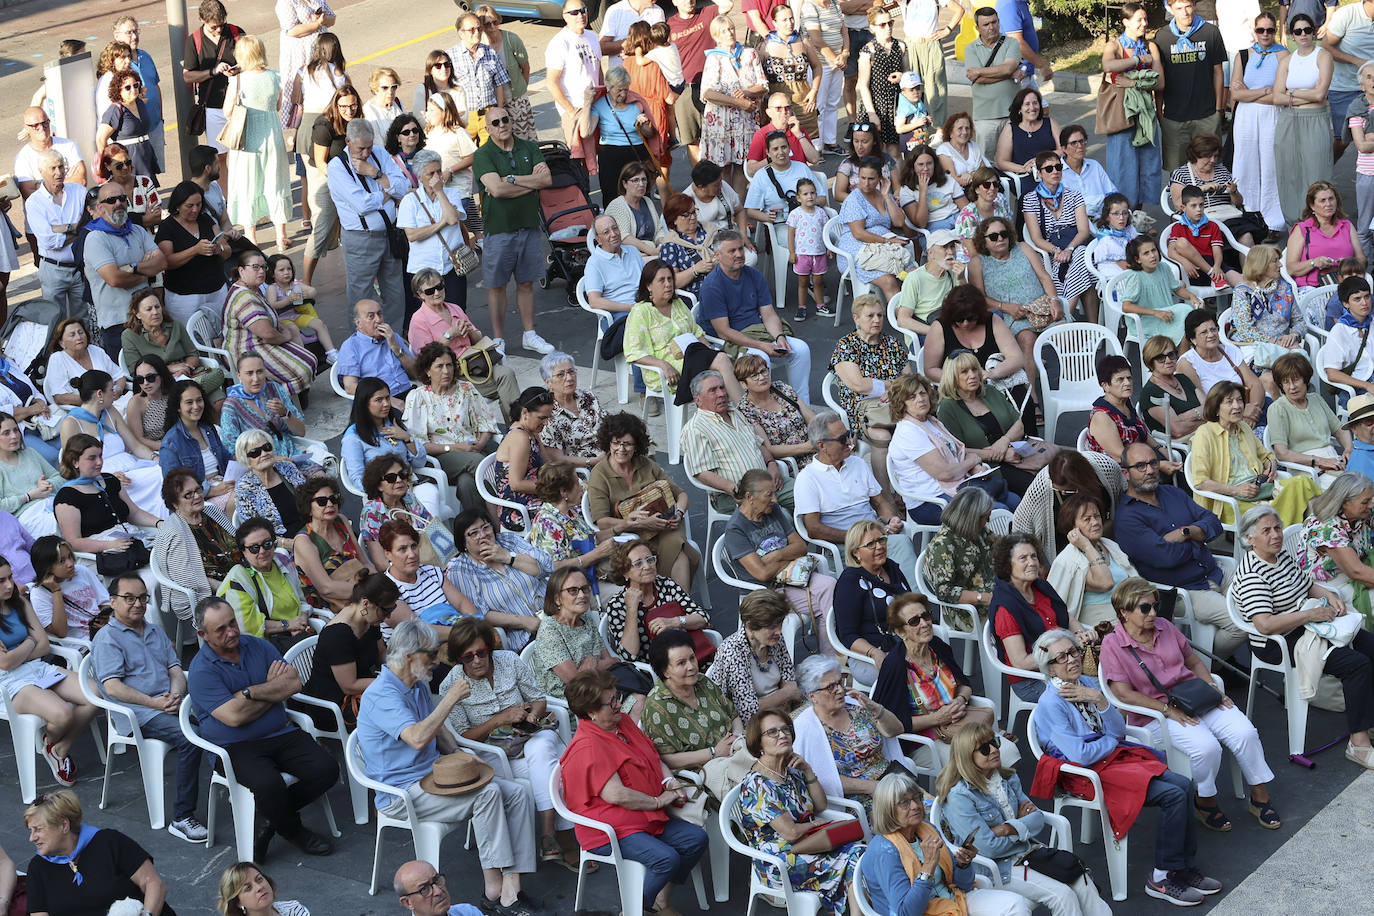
x: 1229, y: 458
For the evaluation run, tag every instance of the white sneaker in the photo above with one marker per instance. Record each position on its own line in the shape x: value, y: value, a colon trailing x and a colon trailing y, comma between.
x: 532, y: 341
x: 501, y: 346
x: 331, y: 356
x: 188, y: 829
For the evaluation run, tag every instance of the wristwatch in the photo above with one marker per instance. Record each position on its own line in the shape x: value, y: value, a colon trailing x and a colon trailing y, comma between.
x: 510, y: 179
x: 246, y: 693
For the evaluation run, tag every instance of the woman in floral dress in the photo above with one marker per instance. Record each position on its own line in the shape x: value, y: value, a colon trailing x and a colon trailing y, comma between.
x: 881, y: 61
x: 776, y: 408
x: 865, y: 362
x: 559, y: 528
x: 302, y: 22
x: 732, y: 83
x: 577, y: 413
x: 778, y: 799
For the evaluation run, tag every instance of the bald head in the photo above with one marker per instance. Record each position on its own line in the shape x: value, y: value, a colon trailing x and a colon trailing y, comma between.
x: 433, y: 900
x: 367, y: 317
x: 607, y: 234
x: 37, y: 127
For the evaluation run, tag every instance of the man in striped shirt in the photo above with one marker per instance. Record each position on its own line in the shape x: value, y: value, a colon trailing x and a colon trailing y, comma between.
x: 719, y: 445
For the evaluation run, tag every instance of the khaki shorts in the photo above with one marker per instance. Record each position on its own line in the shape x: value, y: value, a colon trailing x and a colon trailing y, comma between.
x: 688, y: 111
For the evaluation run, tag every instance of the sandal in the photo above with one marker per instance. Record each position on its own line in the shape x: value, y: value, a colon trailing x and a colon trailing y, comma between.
x: 550, y: 851
x: 1212, y: 818
x: 1266, y: 815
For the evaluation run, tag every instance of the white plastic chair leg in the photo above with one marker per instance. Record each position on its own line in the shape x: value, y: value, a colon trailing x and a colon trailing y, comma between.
x: 428, y: 838
x: 362, y: 813
x: 622, y: 380
x: 377, y: 861
x: 1296, y: 707
x: 26, y: 730
x: 699, y: 883
x: 244, y: 809
x: 1116, y: 865
x: 151, y: 762
x: 720, y: 857
x: 630, y: 877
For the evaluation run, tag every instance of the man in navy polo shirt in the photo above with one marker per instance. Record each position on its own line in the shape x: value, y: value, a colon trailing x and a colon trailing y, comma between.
x: 736, y: 301
x: 239, y: 685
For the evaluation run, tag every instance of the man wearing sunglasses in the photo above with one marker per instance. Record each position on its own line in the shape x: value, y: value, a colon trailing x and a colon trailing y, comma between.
x: 135, y: 664
x: 511, y: 171
x: 121, y: 259
x: 376, y: 350
x: 37, y: 130
x: 572, y: 64
x: 1165, y: 534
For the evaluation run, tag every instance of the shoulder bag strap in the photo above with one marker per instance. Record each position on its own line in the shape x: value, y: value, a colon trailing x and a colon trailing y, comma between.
x: 1148, y: 673
x: 1364, y: 339
x: 773, y: 177
x: 452, y: 256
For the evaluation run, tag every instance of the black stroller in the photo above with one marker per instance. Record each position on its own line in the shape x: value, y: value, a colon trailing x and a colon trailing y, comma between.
x: 566, y: 213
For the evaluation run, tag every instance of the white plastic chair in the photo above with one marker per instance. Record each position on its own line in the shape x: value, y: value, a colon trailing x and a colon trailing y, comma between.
x: 486, y: 485
x: 122, y: 731
x: 336, y: 382
x: 1333, y: 386
x: 994, y: 670
x: 713, y: 515
x: 795, y: 902
x: 846, y: 656
x: 243, y: 806
x: 674, y: 415
x: 1231, y: 501
x: 426, y: 835
x: 1293, y: 703
x: 432, y: 471
x: 1116, y: 850
x: 913, y: 342
x: 629, y: 874
x: 26, y: 731
x: 203, y: 333
x: 603, y: 323
x: 843, y: 264
x: 1207, y: 291
x: 830, y: 553
x: 163, y: 587
x: 1060, y: 837
x: 301, y: 656
x: 1076, y: 345
x: 925, y: 532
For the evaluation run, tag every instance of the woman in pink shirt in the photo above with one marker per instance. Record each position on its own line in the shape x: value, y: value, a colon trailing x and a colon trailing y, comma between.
x: 1141, y: 640
x: 1321, y: 239
x: 437, y: 319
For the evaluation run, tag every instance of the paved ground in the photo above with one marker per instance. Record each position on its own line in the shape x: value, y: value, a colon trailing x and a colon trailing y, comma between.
x: 1326, y: 816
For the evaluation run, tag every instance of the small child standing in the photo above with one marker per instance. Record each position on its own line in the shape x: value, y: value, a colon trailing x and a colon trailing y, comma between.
x: 294, y: 301
x: 913, y: 118
x: 806, y: 249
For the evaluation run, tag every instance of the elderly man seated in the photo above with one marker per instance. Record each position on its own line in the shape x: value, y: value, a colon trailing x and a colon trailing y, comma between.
x: 838, y: 489
x: 239, y: 687
x: 781, y: 120
x: 611, y: 282
x: 736, y: 302
x: 376, y: 350
x: 424, y: 892
x: 135, y: 664
x: 719, y: 445
x: 402, y: 733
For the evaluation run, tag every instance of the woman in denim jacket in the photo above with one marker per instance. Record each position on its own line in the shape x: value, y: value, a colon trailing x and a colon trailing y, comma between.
x: 979, y: 796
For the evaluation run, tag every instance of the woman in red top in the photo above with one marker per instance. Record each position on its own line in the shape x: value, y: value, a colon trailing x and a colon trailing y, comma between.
x: 612, y: 773
x: 1024, y: 606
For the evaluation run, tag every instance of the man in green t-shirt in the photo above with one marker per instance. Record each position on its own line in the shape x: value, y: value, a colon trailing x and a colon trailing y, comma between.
x: 512, y: 172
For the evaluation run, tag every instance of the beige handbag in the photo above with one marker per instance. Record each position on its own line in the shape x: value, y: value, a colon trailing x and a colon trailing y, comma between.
x: 231, y: 136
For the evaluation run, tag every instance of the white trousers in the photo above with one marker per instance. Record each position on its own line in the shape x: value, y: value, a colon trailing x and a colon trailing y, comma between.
x: 828, y: 103
x: 541, y: 753
x: 1203, y: 743
x: 985, y: 901
x: 1077, y: 899
x: 1254, y: 171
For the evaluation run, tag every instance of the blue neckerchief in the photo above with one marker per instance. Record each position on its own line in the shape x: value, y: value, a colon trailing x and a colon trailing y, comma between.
x: 99, y: 225
x: 97, y: 482
x: 13, y: 382
x: 1051, y: 196
x: 1109, y: 232
x: 1195, y: 228
x: 734, y: 54
x: 1349, y: 321
x: 87, y: 834
x: 1185, y: 41
x: 1134, y: 45
x: 82, y: 413
x: 1264, y: 52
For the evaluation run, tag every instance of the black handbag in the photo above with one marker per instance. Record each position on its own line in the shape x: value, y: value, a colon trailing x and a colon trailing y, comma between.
x: 1059, y: 864
x: 1192, y: 697
x: 130, y: 559
x: 629, y: 679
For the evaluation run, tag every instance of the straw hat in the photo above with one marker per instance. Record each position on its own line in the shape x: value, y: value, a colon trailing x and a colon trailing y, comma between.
x: 1360, y: 407
x: 457, y: 774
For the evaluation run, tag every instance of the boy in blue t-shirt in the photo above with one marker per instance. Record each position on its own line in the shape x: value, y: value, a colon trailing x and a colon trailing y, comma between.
x: 913, y: 118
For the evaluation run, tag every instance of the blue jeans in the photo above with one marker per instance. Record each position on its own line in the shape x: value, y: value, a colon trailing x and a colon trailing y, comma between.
x: 164, y: 727
x: 40, y: 445
x: 669, y: 857
x: 635, y: 374
x: 928, y: 513
x: 1176, y: 835
x: 1135, y: 169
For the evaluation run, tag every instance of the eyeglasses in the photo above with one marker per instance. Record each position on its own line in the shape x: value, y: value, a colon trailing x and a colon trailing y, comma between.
x: 580, y: 11
x: 408, y: 132
x: 258, y: 548
x: 1052, y: 167
x: 1260, y: 30
x: 880, y: 541
x: 424, y: 890
x: 832, y: 687
x: 777, y: 731
x: 266, y: 448
x: 443, y: 64
x: 499, y: 122
x: 1142, y: 465
x: 192, y: 494
x: 259, y: 265
x: 910, y: 801
x: 41, y: 125
x: 1063, y: 658
x: 469, y: 31
x: 578, y: 590
x: 432, y: 290
x: 1081, y: 141
x: 642, y: 562
x: 489, y: 23
x: 474, y: 655
x: 883, y: 25
x: 396, y: 476
x: 117, y: 199
x: 145, y: 379
x: 566, y: 373
x: 996, y: 236
x: 986, y: 748
x: 922, y: 617
x: 1171, y: 356
x: 135, y: 599
x: 638, y: 179
x: 1304, y: 30
x: 1148, y: 607
x: 323, y: 501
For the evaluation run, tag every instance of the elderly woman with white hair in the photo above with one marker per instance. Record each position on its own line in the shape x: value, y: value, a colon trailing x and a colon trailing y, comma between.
x: 432, y: 216
x: 848, y: 738
x: 574, y: 426
x: 909, y: 870
x: 1336, y: 538
x: 1076, y: 724
x: 402, y: 730
x: 268, y: 487
x: 1280, y: 598
x: 625, y: 127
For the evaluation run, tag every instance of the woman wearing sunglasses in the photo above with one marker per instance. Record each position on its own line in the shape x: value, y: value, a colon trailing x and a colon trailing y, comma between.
x: 387, y: 485
x: 264, y: 588
x: 1253, y: 71
x: 325, y: 549
x: 147, y: 414
x: 1143, y: 641
x: 502, y: 706
x: 268, y: 488
x: 128, y: 122
x: 980, y: 794
x: 1302, y: 153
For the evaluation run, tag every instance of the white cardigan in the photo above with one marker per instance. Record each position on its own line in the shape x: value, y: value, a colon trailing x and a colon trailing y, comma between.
x: 1069, y: 573
x: 814, y: 747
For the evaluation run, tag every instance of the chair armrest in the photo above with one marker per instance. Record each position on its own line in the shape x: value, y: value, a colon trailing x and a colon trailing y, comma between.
x: 495, y: 756
x: 1061, y: 831
x: 984, y: 866
x: 838, y: 806
x: 332, y: 708
x: 559, y: 710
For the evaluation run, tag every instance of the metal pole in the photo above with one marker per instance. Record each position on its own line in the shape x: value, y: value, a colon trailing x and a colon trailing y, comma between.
x: 176, y: 38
